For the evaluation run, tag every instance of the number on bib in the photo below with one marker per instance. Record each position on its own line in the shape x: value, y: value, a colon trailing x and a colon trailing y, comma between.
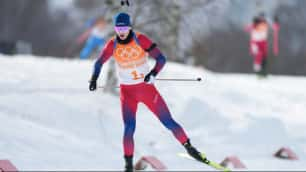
x: 136, y: 76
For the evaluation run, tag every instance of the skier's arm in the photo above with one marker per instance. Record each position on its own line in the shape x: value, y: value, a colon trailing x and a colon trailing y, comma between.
x: 276, y: 25
x: 154, y: 52
x: 105, y: 54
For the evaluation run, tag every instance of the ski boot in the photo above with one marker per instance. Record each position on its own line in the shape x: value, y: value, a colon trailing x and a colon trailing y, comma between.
x: 193, y: 152
x: 128, y: 164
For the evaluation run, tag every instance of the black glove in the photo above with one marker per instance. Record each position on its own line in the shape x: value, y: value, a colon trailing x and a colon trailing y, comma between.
x: 92, y: 85
x: 150, y: 77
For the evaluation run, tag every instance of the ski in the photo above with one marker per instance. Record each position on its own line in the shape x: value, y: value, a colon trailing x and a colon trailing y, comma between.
x: 212, y: 164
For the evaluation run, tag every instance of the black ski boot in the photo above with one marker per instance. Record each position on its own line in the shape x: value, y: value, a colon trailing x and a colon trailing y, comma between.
x: 128, y: 163
x: 193, y: 152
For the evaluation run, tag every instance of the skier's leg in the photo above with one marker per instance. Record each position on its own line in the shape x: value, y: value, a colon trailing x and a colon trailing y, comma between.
x: 258, y: 62
x: 264, y: 67
x: 128, y: 107
x: 157, y: 105
x: 153, y: 100
x: 265, y: 58
x: 256, y: 53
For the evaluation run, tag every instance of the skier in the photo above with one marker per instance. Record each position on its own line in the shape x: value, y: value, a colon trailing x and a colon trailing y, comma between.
x: 130, y: 50
x: 96, y: 37
x: 259, y: 44
x: 259, y: 32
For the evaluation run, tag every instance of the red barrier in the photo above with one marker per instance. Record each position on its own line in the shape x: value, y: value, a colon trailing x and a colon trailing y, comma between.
x: 286, y: 153
x: 7, y: 166
x: 156, y: 164
x: 235, y: 161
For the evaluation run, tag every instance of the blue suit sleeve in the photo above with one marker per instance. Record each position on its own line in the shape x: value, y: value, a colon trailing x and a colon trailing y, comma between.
x: 104, y: 56
x: 97, y: 69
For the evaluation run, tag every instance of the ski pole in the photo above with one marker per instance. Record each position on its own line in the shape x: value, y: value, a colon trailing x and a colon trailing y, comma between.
x: 167, y: 79
x: 176, y: 79
x: 103, y: 87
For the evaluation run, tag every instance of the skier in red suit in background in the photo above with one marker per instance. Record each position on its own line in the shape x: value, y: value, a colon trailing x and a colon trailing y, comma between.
x: 259, y: 32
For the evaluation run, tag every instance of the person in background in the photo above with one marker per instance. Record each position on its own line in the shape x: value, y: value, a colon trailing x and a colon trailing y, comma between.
x: 95, y: 37
x: 259, y: 32
x: 130, y: 50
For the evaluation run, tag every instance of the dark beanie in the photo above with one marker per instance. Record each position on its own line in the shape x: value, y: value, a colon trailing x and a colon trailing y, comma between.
x: 122, y: 19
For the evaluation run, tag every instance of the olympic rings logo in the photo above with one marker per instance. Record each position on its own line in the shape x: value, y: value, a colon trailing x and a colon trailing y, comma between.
x: 128, y: 53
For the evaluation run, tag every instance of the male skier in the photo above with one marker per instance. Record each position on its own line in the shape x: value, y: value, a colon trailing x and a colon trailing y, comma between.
x: 130, y: 50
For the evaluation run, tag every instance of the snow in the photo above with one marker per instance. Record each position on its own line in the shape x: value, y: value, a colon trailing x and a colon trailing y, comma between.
x: 50, y: 121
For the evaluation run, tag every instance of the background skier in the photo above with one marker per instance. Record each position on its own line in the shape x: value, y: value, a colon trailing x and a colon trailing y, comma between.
x: 259, y: 44
x: 259, y: 32
x: 95, y: 36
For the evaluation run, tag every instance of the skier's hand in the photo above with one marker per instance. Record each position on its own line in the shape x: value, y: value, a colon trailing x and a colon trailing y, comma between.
x: 92, y: 85
x: 150, y: 77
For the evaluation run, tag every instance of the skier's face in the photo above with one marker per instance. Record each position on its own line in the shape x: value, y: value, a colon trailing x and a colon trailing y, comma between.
x: 123, y: 31
x: 263, y: 27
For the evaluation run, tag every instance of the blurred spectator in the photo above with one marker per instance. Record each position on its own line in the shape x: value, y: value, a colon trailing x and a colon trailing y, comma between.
x: 95, y: 37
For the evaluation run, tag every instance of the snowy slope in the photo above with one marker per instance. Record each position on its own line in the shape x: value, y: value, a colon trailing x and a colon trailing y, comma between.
x: 50, y: 121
